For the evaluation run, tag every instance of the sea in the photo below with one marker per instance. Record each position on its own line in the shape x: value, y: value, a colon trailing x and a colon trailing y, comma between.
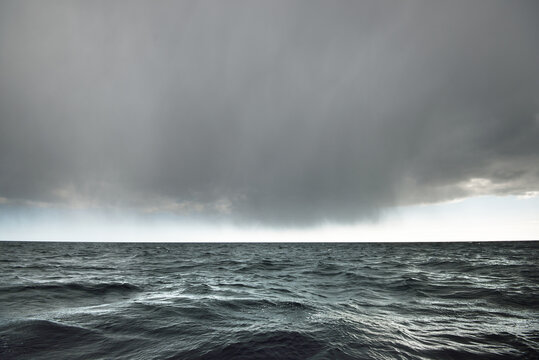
x: 472, y: 300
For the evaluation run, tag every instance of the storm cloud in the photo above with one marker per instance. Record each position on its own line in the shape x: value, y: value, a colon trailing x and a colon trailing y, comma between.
x: 275, y: 112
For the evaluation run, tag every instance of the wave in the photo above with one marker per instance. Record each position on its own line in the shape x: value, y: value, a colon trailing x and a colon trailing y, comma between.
x: 58, y: 288
x: 41, y: 338
x: 245, y: 304
x: 38, y: 298
x: 269, y: 345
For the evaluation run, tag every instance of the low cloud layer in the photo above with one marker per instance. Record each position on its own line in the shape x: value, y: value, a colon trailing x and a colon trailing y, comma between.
x: 277, y: 112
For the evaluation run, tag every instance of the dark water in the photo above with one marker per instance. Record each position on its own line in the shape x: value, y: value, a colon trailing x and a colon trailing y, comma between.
x: 269, y: 301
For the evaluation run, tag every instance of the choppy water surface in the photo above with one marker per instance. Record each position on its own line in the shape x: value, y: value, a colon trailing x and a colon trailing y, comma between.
x: 269, y: 301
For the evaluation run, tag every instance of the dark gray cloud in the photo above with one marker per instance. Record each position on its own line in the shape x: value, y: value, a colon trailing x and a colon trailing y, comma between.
x: 281, y: 112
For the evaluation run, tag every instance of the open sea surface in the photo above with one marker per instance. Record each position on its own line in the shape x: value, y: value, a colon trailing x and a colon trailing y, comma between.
x: 269, y: 301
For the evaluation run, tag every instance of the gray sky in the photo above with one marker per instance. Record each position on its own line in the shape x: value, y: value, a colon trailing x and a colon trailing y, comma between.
x: 274, y: 112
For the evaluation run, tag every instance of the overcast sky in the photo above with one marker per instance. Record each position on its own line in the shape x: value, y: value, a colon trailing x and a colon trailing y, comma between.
x: 278, y: 113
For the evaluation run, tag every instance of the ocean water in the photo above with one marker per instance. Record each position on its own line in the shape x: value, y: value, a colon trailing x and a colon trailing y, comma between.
x: 269, y: 301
